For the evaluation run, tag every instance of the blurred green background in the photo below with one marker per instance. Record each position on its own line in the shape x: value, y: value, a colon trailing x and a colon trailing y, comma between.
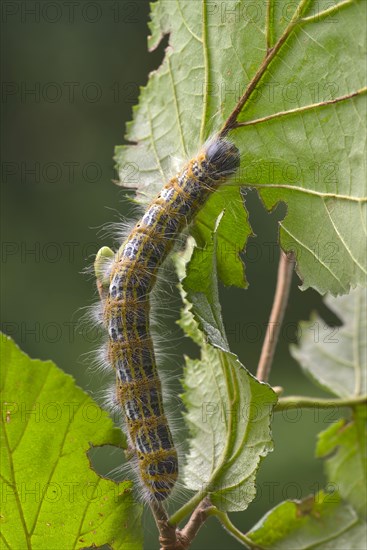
x: 71, y: 73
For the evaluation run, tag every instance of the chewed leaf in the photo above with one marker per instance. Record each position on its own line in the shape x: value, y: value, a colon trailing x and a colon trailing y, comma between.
x: 344, y: 444
x: 302, y: 138
x: 52, y: 497
x: 231, y: 236
x: 202, y: 291
x: 337, y: 358
x: 319, y: 523
x: 228, y: 411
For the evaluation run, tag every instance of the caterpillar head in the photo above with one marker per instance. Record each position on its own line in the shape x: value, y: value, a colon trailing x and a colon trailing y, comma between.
x: 223, y: 156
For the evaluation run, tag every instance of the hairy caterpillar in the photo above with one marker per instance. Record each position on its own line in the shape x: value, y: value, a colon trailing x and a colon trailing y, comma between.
x: 126, y: 310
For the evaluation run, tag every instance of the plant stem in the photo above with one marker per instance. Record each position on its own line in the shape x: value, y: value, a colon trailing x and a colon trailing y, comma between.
x: 167, y: 533
x: 158, y: 512
x: 295, y: 401
x: 285, y: 270
x: 228, y: 525
x: 182, y: 512
x: 189, y: 532
x: 171, y: 538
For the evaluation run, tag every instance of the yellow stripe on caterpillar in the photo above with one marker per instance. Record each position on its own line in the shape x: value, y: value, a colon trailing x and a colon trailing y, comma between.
x: 132, y: 277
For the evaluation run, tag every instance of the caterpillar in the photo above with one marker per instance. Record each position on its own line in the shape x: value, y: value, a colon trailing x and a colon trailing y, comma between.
x: 126, y: 311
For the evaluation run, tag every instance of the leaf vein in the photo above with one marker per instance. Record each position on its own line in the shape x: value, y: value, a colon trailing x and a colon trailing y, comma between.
x: 342, y: 240
x: 315, y: 255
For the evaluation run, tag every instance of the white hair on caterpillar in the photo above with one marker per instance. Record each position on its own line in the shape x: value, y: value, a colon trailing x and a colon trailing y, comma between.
x: 129, y: 290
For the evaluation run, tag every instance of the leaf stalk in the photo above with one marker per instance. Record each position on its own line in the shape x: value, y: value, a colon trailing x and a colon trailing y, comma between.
x: 232, y: 529
x: 298, y: 401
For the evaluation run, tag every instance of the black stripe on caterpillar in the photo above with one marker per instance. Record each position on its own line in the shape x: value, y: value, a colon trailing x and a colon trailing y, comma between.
x: 126, y: 310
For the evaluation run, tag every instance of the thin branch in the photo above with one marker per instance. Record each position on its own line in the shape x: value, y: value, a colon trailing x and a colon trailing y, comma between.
x: 171, y: 538
x: 158, y: 511
x: 167, y: 533
x: 298, y: 401
x: 168, y: 537
x: 285, y: 270
x: 300, y: 109
x: 189, y: 532
x: 187, y: 508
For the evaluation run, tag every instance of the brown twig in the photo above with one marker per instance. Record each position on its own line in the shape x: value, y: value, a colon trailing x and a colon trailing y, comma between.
x: 167, y: 533
x: 199, y: 516
x: 285, y: 270
x: 171, y: 538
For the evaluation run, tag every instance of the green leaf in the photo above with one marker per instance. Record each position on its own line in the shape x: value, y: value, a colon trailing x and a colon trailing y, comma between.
x: 318, y: 522
x: 303, y: 142
x: 228, y: 410
x: 344, y: 444
x: 311, y: 158
x: 231, y: 236
x: 336, y: 358
x: 52, y: 498
x: 202, y: 292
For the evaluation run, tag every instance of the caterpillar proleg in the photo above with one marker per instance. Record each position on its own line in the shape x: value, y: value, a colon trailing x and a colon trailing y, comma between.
x: 125, y: 296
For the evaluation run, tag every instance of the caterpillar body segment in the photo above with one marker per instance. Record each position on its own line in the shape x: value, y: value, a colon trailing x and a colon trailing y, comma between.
x: 127, y: 311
